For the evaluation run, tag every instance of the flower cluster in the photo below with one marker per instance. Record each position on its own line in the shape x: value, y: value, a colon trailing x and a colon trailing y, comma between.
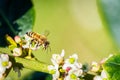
x: 97, y: 68
x: 100, y: 73
x: 22, y: 45
x: 4, y: 64
x: 62, y: 69
x: 65, y: 69
x: 70, y: 69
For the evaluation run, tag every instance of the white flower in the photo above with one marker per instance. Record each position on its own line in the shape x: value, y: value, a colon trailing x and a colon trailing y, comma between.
x: 54, y: 71
x: 72, y: 59
x: 103, y: 74
x: 74, y: 74
x: 29, y: 43
x: 68, y: 69
x: 26, y: 41
x: 95, y: 66
x: 101, y: 77
x: 72, y: 62
x: 58, y: 59
x: 73, y: 68
x: 97, y: 78
x: 26, y: 37
x: 17, y: 51
x: 33, y: 45
x: 4, y: 64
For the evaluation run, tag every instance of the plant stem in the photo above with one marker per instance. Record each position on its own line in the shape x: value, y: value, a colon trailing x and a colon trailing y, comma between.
x: 33, y: 64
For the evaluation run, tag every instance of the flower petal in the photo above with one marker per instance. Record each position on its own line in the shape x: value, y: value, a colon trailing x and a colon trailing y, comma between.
x: 9, y: 65
x: 97, y: 78
x: 17, y: 51
x: 4, y: 57
x: 62, y: 53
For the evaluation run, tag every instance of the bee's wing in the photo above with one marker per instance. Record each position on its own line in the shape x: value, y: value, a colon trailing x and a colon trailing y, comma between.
x: 46, y: 33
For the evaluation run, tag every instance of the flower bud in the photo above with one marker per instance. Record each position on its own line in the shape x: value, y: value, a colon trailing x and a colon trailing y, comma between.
x: 17, y: 51
x: 95, y: 67
x: 17, y: 39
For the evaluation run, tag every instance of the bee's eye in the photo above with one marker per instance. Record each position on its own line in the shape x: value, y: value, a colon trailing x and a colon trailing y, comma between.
x: 46, y: 43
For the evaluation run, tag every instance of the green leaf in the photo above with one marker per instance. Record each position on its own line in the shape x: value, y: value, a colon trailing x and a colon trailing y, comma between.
x: 11, y: 47
x: 13, y: 16
x: 5, y: 50
x: 110, y: 14
x: 26, y: 22
x: 112, y: 67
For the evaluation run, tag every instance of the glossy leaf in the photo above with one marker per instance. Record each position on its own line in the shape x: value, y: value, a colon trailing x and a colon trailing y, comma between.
x: 26, y: 22
x: 112, y: 67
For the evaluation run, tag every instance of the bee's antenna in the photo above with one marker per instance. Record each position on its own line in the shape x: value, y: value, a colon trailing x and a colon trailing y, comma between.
x: 26, y: 32
x: 49, y: 48
x: 46, y: 48
x: 46, y: 33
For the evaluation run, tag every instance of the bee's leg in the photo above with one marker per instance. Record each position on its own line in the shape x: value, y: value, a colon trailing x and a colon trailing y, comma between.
x: 33, y: 40
x: 43, y: 47
x: 38, y: 44
x: 29, y: 55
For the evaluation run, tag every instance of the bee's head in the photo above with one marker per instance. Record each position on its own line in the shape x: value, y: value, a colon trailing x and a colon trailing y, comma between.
x: 46, y: 44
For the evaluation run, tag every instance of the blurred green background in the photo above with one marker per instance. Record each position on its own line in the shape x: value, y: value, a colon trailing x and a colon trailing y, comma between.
x: 74, y: 26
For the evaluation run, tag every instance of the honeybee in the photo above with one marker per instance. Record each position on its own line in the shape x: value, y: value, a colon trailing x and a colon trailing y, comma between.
x: 39, y: 39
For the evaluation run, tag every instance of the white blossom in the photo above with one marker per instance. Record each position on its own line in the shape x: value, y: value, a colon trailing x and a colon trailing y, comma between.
x: 74, y: 74
x: 95, y: 66
x: 69, y: 68
x: 97, y: 77
x: 17, y: 51
x: 29, y: 43
x: 58, y: 58
x: 72, y: 62
x: 54, y: 71
x: 101, y: 77
x: 4, y: 63
x: 103, y: 74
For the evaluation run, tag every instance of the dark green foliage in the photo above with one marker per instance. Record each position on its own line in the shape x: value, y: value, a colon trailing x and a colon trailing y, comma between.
x: 16, y: 18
